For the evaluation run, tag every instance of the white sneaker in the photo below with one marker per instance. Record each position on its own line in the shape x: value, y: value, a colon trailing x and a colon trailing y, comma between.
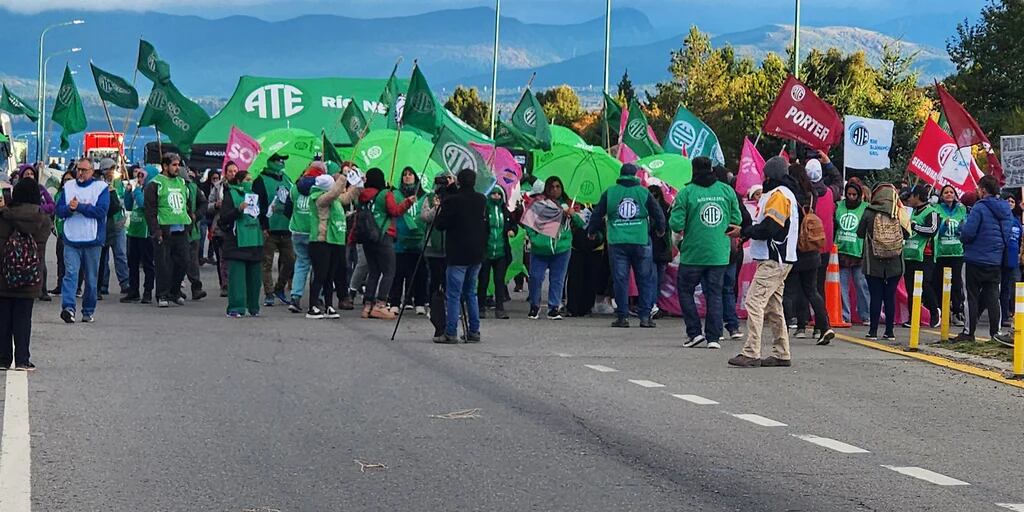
x: 694, y: 341
x: 800, y: 334
x: 714, y: 345
x: 420, y: 311
x: 736, y: 335
x: 394, y: 310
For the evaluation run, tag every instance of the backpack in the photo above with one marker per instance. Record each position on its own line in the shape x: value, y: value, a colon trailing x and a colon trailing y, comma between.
x: 812, y: 233
x: 887, y: 238
x: 20, y: 261
x: 364, y: 226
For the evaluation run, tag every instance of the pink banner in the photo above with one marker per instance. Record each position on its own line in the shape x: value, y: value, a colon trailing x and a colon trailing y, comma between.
x: 505, y: 167
x: 624, y: 153
x: 751, y: 170
x: 241, y: 149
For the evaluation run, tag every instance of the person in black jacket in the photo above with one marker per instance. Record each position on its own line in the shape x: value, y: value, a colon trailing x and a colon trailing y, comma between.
x: 463, y: 217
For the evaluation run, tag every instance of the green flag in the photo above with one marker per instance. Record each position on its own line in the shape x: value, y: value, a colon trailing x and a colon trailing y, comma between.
x: 4, y: 138
x: 150, y: 65
x: 354, y: 122
x: 636, y: 136
x: 530, y: 119
x: 421, y: 110
x: 331, y: 152
x: 173, y: 114
x: 17, y: 106
x: 454, y: 154
x: 389, y: 98
x: 612, y: 115
x: 509, y: 136
x: 68, y: 111
x: 690, y: 137
x: 115, y: 89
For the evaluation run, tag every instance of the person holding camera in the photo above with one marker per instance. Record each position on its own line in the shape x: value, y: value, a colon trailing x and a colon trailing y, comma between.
x: 463, y: 217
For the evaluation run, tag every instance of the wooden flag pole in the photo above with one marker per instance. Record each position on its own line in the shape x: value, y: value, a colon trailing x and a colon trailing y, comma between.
x: 159, y: 143
x: 135, y: 76
x: 398, y: 137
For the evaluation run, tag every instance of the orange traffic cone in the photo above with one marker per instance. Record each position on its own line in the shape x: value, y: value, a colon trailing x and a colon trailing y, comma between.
x: 833, y: 292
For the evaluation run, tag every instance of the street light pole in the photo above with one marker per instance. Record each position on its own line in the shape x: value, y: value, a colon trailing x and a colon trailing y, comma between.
x: 41, y: 139
x: 39, y: 82
x: 796, y: 41
x: 607, y: 55
x: 494, y: 71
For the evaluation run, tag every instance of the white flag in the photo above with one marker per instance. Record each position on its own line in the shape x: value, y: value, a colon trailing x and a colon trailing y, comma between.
x: 867, y: 142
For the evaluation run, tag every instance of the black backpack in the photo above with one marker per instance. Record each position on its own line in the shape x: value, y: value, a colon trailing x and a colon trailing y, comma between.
x: 20, y: 260
x: 364, y: 227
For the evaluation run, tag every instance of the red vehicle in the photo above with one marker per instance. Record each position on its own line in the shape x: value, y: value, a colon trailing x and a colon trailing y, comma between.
x: 104, y: 145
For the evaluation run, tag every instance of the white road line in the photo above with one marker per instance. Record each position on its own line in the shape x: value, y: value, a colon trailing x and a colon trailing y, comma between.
x: 695, y: 399
x: 759, y: 420
x: 647, y: 383
x: 15, y: 447
x: 1016, y: 507
x: 562, y: 354
x: 600, y: 368
x: 831, y: 444
x: 926, y: 475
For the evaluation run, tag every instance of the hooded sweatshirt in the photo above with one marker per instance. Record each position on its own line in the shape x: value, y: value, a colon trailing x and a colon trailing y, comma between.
x: 703, y: 211
x: 46, y: 203
x: 498, y: 225
x: 982, y: 232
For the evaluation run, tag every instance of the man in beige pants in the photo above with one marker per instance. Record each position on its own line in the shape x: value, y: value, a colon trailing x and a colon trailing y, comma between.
x: 773, y: 238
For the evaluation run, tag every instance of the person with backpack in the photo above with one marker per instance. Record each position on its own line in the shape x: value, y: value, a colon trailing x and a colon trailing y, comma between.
x: 273, y: 186
x: 83, y: 208
x: 374, y: 228
x: 328, y: 233
x: 48, y: 206
x: 949, y: 250
x: 851, y: 251
x: 802, y: 282
x: 24, y: 228
x: 883, y: 227
x: 919, y: 251
x: 408, y: 245
x: 707, y: 214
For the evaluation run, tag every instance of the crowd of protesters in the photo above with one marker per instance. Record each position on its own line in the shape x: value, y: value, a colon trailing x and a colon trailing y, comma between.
x: 334, y: 234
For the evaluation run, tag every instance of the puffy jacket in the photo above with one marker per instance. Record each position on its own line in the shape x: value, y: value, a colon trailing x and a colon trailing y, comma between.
x: 982, y: 232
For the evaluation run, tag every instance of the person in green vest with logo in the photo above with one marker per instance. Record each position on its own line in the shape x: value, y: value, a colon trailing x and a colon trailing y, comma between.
x: 707, y: 213
x: 297, y: 208
x: 500, y: 227
x: 169, y: 219
x: 197, y: 203
x: 140, y: 247
x: 408, y: 245
x: 633, y: 215
x: 116, y: 242
x: 919, y: 251
x: 949, y: 250
x: 242, y: 245
x: 328, y: 233
x: 273, y: 186
x: 851, y: 250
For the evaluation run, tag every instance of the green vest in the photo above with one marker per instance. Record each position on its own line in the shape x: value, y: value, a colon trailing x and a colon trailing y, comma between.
x: 277, y: 220
x: 913, y: 249
x: 193, y: 191
x: 247, y: 228
x: 119, y: 189
x: 948, y: 243
x: 337, y: 227
x: 172, y: 197
x: 299, y: 222
x: 496, y: 231
x: 137, y: 227
x: 627, y: 215
x: 58, y: 223
x: 847, y: 221
x: 380, y: 212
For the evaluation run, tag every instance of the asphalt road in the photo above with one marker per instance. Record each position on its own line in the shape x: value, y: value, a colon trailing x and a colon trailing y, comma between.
x: 183, y: 409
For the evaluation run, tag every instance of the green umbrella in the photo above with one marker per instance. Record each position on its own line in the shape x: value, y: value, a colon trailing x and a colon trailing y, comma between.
x: 586, y: 171
x: 675, y: 170
x: 377, y: 149
x: 563, y: 135
x: 300, y: 146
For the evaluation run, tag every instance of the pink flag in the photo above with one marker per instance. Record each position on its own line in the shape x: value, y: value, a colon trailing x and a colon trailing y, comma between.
x: 624, y: 153
x: 241, y: 149
x: 506, y: 169
x: 751, y: 168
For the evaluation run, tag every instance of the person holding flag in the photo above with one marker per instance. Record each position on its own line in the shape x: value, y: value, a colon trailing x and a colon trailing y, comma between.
x: 273, y: 187
x: 328, y: 234
x: 408, y: 244
x: 380, y: 254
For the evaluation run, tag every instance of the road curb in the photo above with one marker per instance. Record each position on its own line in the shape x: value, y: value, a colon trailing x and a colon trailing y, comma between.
x: 976, y: 371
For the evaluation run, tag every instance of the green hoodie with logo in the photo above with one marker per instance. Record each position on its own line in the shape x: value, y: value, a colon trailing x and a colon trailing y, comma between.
x: 703, y: 215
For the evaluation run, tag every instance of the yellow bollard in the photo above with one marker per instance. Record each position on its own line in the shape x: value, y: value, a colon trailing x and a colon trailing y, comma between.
x: 1018, y: 334
x: 915, y: 312
x: 947, y: 289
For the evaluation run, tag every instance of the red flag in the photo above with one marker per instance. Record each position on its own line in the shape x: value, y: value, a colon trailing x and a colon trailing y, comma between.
x: 966, y: 130
x: 939, y: 161
x: 798, y: 114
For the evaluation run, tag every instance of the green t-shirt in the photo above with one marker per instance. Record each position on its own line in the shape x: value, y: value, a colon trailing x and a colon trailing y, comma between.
x: 847, y: 220
x: 947, y: 243
x: 703, y: 214
x: 172, y: 198
x: 628, y: 222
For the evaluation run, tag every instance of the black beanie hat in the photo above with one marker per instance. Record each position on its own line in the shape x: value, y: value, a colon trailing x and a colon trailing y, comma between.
x: 26, y: 191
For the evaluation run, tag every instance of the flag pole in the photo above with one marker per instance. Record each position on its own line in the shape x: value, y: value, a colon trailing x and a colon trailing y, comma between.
x: 494, y: 69
x: 796, y: 50
x: 159, y: 143
x: 135, y: 76
x: 398, y: 136
x: 607, y: 54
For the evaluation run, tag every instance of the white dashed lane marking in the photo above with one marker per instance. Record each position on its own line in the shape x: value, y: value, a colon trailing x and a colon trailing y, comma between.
x: 647, y: 383
x: 831, y: 444
x: 562, y: 354
x: 15, y: 447
x: 695, y: 399
x: 759, y: 420
x: 600, y: 368
x: 926, y: 475
x: 1016, y: 507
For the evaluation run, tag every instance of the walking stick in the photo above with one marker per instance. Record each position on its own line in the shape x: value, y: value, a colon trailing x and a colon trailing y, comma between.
x: 419, y: 260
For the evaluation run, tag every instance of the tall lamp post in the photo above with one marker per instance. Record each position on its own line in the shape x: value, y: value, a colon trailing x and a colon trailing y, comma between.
x: 494, y: 70
x: 41, y: 139
x: 607, y: 56
x: 39, y: 83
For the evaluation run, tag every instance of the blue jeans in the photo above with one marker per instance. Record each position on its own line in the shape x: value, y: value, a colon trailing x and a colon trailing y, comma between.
x: 84, y: 260
x: 639, y: 257
x: 556, y: 266
x: 863, y: 302
x: 729, y: 316
x: 460, y: 288
x: 119, y: 245
x: 710, y: 279
x: 300, y: 242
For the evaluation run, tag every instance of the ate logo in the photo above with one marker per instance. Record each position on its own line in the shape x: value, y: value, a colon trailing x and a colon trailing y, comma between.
x: 654, y: 165
x: 798, y: 92
x: 374, y: 153
x: 457, y: 158
x: 587, y: 187
x: 530, y: 116
x: 176, y: 200
x: 628, y: 209
x: 682, y: 134
x: 711, y: 215
x: 151, y: 62
x: 848, y: 221
x: 355, y: 125
x: 636, y: 129
x: 302, y: 204
x: 422, y: 103
x: 273, y: 101
x: 110, y: 86
x: 859, y: 134
x: 64, y: 96
x: 952, y: 229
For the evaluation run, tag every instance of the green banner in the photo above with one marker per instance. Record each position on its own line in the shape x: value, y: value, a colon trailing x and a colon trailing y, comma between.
x: 530, y: 119
x: 354, y: 122
x: 690, y: 133
x: 636, y: 135
x: 330, y: 152
x: 17, y: 106
x: 421, y: 109
x: 454, y: 154
x: 173, y: 114
x: 612, y: 115
x: 150, y: 64
x: 115, y: 89
x: 67, y: 110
